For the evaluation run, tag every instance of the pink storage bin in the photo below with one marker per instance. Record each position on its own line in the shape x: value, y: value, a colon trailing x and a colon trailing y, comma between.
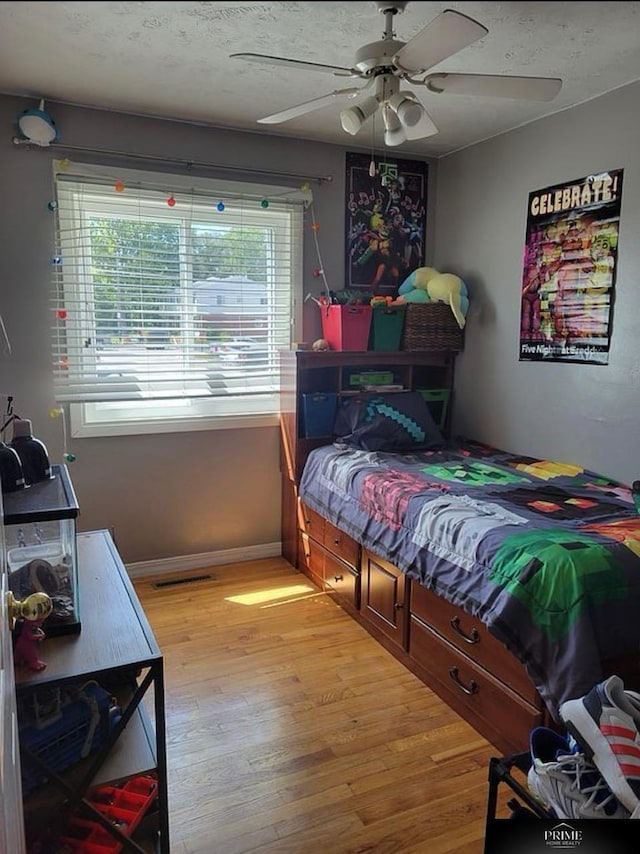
x: 346, y: 327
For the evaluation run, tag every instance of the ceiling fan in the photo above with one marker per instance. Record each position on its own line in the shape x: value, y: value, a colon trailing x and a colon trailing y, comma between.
x: 386, y: 63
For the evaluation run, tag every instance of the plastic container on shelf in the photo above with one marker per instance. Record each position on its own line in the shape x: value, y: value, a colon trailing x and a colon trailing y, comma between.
x: 346, y: 327
x: 75, y: 723
x: 124, y: 806
x: 437, y: 400
x: 318, y: 413
x: 386, y: 327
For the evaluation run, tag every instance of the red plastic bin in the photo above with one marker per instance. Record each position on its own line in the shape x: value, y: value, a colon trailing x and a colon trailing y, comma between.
x: 124, y: 805
x: 346, y: 327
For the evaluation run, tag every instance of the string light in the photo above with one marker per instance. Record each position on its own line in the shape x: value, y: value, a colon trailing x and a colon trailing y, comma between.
x: 220, y: 206
x: 52, y: 205
x: 119, y: 187
x: 64, y: 165
x: 171, y: 201
x: 58, y: 412
x: 315, y: 227
x: 61, y: 314
x: 264, y: 203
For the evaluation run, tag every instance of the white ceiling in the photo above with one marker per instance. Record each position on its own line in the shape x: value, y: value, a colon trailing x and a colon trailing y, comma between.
x: 171, y: 60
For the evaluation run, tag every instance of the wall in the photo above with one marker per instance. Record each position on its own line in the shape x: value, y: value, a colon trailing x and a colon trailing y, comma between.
x: 578, y: 413
x: 164, y: 495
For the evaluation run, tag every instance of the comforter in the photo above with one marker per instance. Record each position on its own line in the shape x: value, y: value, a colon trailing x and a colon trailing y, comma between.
x: 547, y: 555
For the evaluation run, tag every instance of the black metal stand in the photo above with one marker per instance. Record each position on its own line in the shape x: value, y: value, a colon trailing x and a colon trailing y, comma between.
x: 500, y: 772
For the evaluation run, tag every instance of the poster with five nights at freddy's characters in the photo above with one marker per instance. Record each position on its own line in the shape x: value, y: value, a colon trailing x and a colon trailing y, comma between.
x: 569, y: 270
x: 386, y: 216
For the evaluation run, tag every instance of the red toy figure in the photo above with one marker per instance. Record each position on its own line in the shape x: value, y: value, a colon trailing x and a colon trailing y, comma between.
x: 34, y: 610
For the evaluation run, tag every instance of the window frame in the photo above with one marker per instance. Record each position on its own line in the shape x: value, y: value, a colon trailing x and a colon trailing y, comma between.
x: 205, y: 412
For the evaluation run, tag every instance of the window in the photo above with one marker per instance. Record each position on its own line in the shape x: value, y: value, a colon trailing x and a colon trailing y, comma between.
x: 171, y: 300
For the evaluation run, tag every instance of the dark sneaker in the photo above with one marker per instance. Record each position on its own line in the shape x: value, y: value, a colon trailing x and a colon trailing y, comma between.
x: 606, y: 723
x: 565, y: 783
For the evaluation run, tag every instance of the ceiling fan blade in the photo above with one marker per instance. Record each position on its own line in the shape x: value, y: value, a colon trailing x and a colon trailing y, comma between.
x: 423, y: 129
x: 495, y: 86
x: 296, y: 63
x: 445, y: 35
x: 308, y: 106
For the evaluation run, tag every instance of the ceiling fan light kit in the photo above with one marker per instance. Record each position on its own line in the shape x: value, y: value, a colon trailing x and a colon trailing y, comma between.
x: 408, y: 109
x: 387, y: 62
x: 353, y: 118
x: 394, y: 132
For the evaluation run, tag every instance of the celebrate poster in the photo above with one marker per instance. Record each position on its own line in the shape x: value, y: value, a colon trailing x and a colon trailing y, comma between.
x: 569, y: 270
x: 386, y: 219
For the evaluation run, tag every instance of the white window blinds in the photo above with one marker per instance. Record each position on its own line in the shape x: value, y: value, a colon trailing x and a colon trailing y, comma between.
x: 165, y: 291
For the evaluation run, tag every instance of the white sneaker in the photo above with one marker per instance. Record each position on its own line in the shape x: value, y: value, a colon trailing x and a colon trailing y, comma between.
x: 565, y: 783
x: 606, y: 723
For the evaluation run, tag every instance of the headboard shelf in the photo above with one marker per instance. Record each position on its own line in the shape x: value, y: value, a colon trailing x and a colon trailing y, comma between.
x: 345, y: 373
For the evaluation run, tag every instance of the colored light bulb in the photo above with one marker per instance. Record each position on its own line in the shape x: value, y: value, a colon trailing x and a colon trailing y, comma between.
x: 264, y: 203
x: 305, y: 187
x: 315, y: 226
x: 61, y: 314
x: 56, y: 259
x: 119, y: 187
x: 171, y: 202
x: 53, y: 206
x: 220, y: 206
x: 63, y: 165
x: 70, y: 458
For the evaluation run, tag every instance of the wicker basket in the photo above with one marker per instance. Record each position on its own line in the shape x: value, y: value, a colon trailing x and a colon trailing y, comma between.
x: 431, y: 326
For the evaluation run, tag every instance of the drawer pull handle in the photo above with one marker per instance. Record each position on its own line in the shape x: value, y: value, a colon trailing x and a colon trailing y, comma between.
x: 474, y: 637
x: 398, y: 606
x: 337, y: 578
x: 472, y: 688
x: 336, y: 541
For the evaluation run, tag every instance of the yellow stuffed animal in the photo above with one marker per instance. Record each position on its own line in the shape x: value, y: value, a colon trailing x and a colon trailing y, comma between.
x: 426, y: 284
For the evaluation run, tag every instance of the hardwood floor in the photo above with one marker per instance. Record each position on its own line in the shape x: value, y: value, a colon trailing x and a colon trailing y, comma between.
x: 291, y: 731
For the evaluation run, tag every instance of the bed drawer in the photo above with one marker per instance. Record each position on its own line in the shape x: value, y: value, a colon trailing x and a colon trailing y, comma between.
x: 310, y: 522
x: 472, y: 637
x: 311, y: 557
x: 471, y: 689
x: 341, y: 544
x: 344, y: 582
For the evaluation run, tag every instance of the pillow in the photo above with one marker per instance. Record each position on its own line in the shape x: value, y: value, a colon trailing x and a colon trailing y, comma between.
x: 395, y: 422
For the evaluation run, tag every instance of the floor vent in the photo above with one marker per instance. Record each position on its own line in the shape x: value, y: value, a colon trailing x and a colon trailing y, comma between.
x: 172, y: 582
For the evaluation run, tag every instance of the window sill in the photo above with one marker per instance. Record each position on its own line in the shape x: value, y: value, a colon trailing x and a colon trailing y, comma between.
x: 80, y: 428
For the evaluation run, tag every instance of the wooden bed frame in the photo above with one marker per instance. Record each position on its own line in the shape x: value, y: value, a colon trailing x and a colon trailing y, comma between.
x: 451, y: 651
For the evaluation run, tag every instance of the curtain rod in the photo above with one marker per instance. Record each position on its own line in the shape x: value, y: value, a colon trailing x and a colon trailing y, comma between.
x: 187, y: 164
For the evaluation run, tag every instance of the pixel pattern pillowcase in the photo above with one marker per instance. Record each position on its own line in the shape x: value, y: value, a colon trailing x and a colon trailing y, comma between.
x: 396, y: 422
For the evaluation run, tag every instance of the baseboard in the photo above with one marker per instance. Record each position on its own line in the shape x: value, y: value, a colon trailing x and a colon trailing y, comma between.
x: 185, y: 563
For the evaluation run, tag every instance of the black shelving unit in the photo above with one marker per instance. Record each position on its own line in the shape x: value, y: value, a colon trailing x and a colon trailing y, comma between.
x: 500, y: 769
x: 116, y: 648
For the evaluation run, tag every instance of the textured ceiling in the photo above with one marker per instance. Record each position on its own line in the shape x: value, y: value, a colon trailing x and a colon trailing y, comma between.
x: 171, y: 60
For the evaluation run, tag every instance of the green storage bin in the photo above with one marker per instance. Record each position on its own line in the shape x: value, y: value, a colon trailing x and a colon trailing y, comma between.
x: 438, y: 402
x: 386, y: 327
